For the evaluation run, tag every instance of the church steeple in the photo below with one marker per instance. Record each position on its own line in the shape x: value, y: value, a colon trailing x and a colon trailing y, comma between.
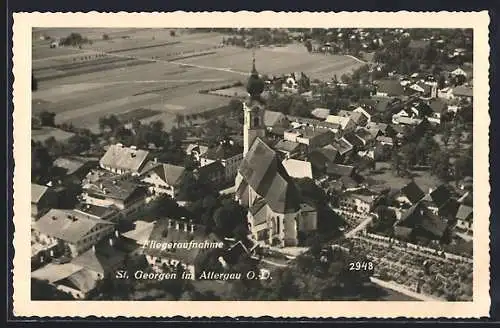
x: 255, y: 85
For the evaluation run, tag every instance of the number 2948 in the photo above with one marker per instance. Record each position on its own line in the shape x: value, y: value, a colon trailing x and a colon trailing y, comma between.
x: 361, y: 266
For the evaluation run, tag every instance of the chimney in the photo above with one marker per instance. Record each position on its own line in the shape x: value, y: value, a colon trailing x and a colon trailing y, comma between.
x: 431, y: 190
x: 185, y: 227
x: 170, y: 223
x: 192, y: 228
x: 93, y: 248
x: 177, y: 225
x: 51, y: 253
x: 101, y: 186
x: 111, y: 242
x: 155, y: 160
x: 117, y: 234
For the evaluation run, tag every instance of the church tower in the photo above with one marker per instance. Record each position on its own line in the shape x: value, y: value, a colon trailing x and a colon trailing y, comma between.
x: 253, y: 108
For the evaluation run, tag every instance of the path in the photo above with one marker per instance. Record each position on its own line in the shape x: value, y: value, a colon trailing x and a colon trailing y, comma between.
x: 360, y: 227
x: 357, y: 59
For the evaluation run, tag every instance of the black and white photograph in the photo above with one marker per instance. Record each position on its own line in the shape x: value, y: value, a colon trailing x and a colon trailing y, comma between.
x: 255, y: 164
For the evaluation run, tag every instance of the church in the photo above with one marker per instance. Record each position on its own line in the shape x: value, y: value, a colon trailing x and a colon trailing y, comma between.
x: 276, y: 214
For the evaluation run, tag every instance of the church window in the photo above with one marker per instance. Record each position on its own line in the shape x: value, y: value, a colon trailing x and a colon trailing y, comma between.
x: 256, y: 121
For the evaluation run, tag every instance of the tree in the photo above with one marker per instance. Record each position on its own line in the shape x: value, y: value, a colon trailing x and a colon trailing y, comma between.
x: 42, y: 290
x: 105, y: 37
x: 308, y: 45
x: 47, y: 118
x: 172, y: 33
x: 441, y: 164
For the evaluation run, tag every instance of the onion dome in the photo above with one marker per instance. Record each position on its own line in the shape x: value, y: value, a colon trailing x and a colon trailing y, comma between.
x: 255, y: 85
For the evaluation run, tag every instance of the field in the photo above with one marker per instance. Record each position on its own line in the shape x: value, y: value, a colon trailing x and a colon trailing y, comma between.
x: 145, y: 69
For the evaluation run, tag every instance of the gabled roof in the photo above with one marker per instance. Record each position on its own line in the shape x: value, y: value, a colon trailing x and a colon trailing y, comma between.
x: 463, y: 91
x: 37, y: 192
x: 440, y: 196
x: 264, y: 173
x: 114, y: 188
x: 101, y: 260
x: 321, y: 113
x: 464, y: 213
x: 342, y: 146
x: 298, y: 169
x: 286, y: 145
x: 72, y: 163
x: 390, y: 87
x: 169, y: 173
x: 340, y: 170
x: 124, y: 158
x: 67, y: 225
x: 272, y: 118
x: 162, y: 233
x: 438, y: 106
x: 223, y: 151
x: 413, y: 192
x: 418, y: 216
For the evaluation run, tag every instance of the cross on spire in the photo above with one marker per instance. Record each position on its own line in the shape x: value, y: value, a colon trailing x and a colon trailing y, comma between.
x: 254, y: 70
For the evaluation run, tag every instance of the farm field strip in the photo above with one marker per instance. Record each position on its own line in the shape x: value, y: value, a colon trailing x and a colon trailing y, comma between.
x: 134, y: 101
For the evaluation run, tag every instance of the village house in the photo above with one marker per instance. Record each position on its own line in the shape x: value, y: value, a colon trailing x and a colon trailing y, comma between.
x: 310, y: 136
x: 75, y: 167
x: 121, y: 160
x: 228, y: 154
x: 169, y: 260
x: 289, y: 149
x: 464, y: 219
x: 81, y: 275
x: 419, y: 222
x: 110, y: 213
x: 409, y: 195
x: 77, y: 231
x: 320, y: 158
x: 274, y: 119
x: 356, y: 204
x: 346, y: 123
x: 463, y: 92
x: 120, y: 192
x: 163, y: 178
x: 196, y: 151
x: 213, y: 173
x: 445, y: 93
x: 43, y: 198
x: 389, y: 88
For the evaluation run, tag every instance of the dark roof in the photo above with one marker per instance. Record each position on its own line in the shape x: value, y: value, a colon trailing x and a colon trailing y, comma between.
x: 171, y: 174
x: 340, y: 170
x: 103, y: 260
x: 211, y: 169
x: 286, y: 145
x: 440, y: 196
x: 272, y: 118
x: 263, y: 171
x: 354, y: 139
x: 114, y: 188
x: 390, y: 87
x: 164, y: 234
x: 413, y: 192
x: 73, y: 163
x: 418, y: 216
x: 97, y: 211
x: 342, y: 146
x: 223, y: 151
